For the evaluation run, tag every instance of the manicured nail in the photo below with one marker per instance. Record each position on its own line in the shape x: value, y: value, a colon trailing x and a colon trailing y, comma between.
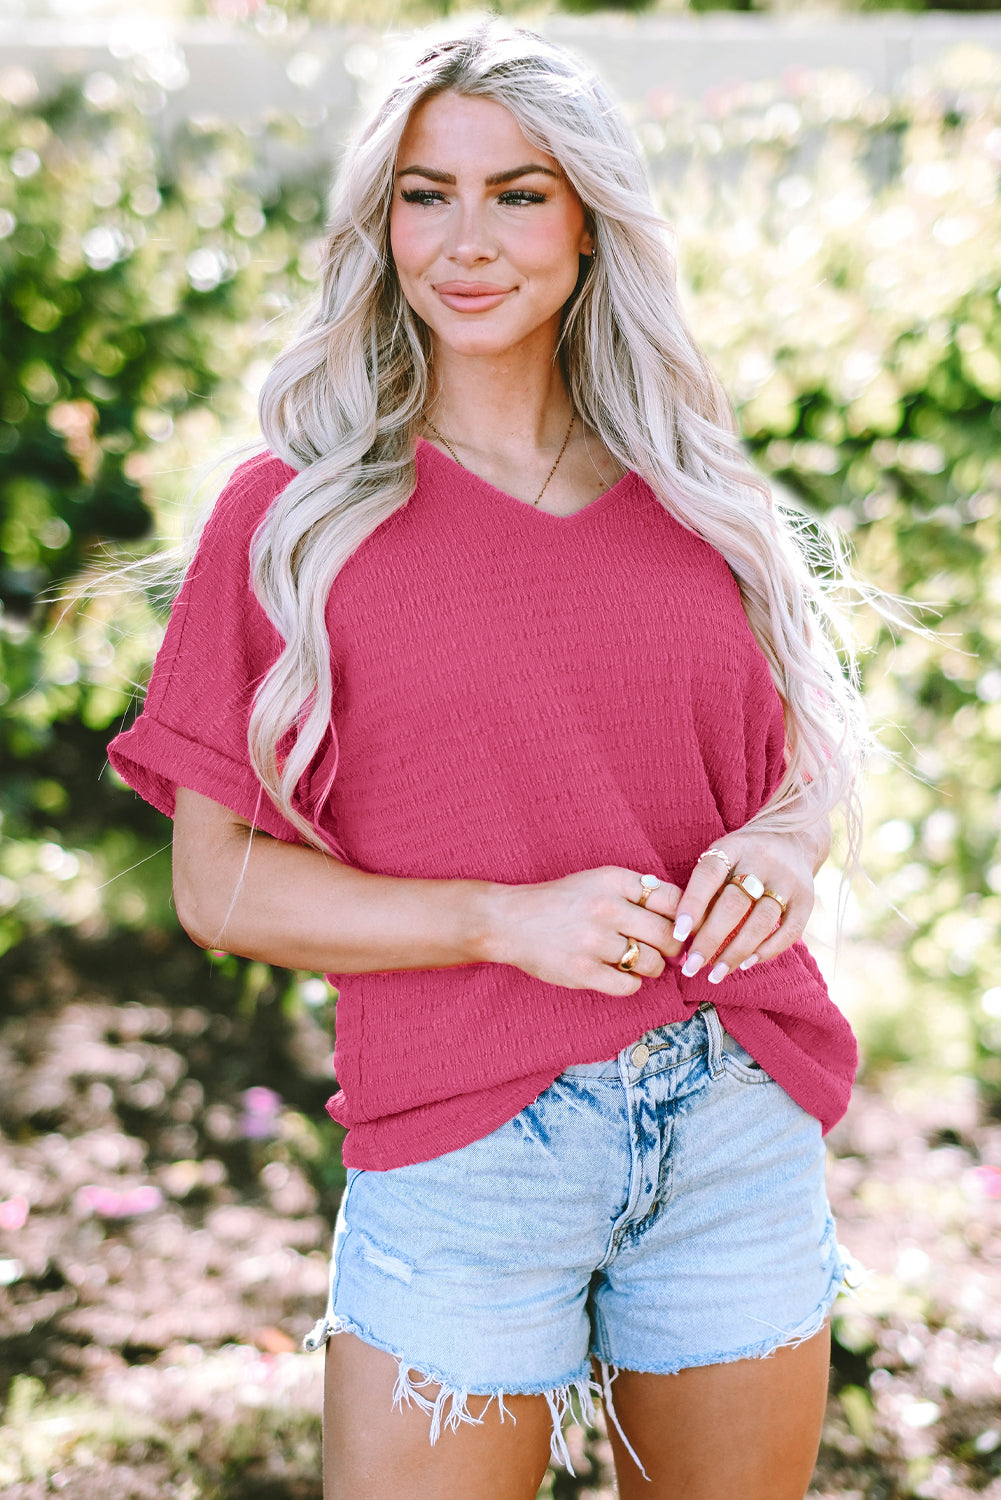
x: 750, y: 962
x: 718, y: 973
x: 682, y: 927
x: 692, y: 964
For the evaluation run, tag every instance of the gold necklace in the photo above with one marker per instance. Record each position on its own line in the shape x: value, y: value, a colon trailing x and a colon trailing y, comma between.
x: 445, y: 443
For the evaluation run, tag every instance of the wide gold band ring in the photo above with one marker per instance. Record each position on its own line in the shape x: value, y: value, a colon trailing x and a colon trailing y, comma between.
x: 628, y: 960
x: 750, y: 885
x: 783, y: 905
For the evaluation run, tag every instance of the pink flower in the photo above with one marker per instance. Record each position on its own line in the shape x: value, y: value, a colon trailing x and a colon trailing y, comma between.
x: 988, y: 1180
x: 14, y: 1212
x: 261, y: 1108
x: 118, y: 1203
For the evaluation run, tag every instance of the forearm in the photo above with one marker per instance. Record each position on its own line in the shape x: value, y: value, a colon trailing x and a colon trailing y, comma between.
x: 293, y: 906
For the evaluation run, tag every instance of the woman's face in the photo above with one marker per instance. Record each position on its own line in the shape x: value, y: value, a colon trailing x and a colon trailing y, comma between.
x: 486, y: 232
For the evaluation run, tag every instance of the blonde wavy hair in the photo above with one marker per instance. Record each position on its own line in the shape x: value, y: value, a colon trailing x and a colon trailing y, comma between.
x: 343, y: 406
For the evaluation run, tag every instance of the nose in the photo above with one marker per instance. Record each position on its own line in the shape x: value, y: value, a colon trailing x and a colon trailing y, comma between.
x: 470, y: 241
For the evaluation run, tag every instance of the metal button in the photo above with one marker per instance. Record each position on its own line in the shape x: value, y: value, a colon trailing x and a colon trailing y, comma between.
x: 639, y: 1055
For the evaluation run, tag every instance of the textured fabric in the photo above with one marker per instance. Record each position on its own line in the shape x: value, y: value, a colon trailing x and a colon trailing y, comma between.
x: 518, y: 696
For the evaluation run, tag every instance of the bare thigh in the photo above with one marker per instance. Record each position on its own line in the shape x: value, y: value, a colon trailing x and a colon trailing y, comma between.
x: 749, y: 1429
x: 373, y: 1452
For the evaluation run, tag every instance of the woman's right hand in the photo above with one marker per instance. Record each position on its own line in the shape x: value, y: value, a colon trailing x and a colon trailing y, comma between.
x: 573, y: 931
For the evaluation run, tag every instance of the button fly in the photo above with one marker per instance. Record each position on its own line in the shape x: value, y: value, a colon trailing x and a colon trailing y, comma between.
x: 639, y: 1055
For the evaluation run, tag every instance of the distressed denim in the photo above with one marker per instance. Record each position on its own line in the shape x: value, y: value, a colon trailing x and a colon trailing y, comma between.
x: 658, y: 1211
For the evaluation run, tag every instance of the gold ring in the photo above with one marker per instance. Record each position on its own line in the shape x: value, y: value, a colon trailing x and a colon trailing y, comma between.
x: 716, y: 854
x: 784, y: 905
x: 750, y: 885
x: 628, y: 960
x: 649, y: 884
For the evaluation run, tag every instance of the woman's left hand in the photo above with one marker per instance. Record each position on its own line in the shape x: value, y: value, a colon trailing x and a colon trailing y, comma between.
x: 728, y: 928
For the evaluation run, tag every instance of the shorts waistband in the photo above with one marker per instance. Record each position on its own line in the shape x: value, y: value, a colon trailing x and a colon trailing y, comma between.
x: 682, y: 1039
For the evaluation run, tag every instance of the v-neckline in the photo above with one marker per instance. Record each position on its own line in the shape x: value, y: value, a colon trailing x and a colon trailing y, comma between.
x: 526, y: 505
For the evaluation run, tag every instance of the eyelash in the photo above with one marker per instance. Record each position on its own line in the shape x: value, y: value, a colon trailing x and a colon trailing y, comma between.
x: 429, y: 196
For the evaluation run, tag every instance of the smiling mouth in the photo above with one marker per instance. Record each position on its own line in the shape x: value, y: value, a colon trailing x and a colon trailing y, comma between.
x: 470, y: 289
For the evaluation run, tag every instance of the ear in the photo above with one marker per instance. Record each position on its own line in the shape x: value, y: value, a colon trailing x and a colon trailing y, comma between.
x: 587, y: 242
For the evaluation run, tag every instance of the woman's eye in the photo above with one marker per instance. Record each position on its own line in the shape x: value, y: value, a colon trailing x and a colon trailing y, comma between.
x: 420, y: 195
x: 513, y: 197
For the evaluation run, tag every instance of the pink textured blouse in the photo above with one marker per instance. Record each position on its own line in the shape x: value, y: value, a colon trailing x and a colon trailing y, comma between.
x: 518, y: 696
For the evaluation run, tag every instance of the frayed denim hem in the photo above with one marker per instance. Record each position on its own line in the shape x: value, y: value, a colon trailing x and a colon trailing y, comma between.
x: 848, y: 1276
x: 449, y: 1407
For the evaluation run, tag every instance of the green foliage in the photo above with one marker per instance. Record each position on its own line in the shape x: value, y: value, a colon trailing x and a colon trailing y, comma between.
x: 137, y: 289
x: 840, y: 253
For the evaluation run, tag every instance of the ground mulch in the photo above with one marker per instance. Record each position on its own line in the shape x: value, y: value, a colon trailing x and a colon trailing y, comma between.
x: 167, y: 1185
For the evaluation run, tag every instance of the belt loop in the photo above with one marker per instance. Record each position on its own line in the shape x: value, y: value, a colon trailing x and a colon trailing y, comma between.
x: 714, y: 1033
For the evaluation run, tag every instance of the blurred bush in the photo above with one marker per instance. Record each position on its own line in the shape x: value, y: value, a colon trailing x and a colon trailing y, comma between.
x: 840, y: 257
x: 138, y: 291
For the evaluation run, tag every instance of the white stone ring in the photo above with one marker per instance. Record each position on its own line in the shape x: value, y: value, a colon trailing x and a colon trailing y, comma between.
x: 649, y: 883
x: 750, y: 885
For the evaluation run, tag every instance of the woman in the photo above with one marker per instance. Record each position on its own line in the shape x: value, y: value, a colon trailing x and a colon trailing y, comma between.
x: 499, y: 692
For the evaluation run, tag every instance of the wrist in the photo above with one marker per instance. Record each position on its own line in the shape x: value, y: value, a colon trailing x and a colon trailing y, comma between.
x: 818, y: 844
x: 485, y: 924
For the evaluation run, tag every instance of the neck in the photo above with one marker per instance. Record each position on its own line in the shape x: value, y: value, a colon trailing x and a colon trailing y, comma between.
x: 500, y: 405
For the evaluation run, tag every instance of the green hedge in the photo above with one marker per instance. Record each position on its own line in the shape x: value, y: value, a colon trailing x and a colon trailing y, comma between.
x: 137, y: 289
x: 840, y: 250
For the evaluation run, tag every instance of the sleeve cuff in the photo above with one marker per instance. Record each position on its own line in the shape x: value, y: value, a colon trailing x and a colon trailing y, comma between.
x: 155, y: 760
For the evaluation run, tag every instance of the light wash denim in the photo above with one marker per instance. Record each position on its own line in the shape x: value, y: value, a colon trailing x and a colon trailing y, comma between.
x: 658, y: 1211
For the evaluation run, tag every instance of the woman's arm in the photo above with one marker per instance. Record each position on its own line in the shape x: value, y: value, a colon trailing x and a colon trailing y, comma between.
x: 297, y: 907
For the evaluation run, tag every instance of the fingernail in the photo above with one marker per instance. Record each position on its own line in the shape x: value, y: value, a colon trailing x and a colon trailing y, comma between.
x: 750, y: 962
x: 682, y: 927
x: 692, y: 964
x: 718, y: 973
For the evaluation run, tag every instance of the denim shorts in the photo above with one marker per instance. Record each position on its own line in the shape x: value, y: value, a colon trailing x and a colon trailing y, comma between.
x: 661, y: 1210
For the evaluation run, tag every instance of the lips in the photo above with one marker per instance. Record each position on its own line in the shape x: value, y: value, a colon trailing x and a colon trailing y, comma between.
x: 469, y: 288
x: 471, y: 296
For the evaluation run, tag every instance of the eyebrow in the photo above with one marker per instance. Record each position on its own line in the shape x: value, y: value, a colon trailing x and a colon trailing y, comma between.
x: 434, y: 175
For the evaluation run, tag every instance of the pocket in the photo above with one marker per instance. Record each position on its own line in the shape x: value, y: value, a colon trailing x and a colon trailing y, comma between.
x: 739, y: 1063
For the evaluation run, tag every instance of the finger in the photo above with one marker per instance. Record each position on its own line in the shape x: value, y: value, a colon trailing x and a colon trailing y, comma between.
x: 648, y: 927
x: 731, y: 907
x: 706, y: 881
x: 768, y: 941
x: 663, y: 899
x: 745, y: 943
x: 608, y: 980
x: 790, y: 931
x: 649, y: 964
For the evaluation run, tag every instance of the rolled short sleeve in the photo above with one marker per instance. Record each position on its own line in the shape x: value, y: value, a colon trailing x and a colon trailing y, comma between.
x: 219, y: 644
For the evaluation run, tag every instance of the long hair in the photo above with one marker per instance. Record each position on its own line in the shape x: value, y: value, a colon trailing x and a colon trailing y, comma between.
x: 343, y: 403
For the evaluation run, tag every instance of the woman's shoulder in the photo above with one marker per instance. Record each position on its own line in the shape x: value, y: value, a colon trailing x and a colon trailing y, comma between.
x: 254, y: 484
x: 222, y: 543
x: 242, y: 503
